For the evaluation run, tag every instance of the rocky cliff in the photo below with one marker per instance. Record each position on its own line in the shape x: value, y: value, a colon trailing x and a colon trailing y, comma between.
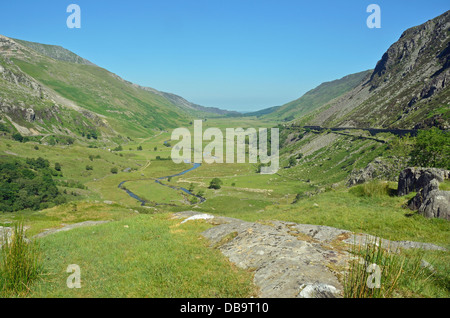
x: 408, y: 87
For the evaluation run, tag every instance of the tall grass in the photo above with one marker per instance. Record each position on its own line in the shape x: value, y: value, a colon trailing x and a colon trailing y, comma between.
x: 20, y: 263
x: 373, y: 188
x: 396, y: 272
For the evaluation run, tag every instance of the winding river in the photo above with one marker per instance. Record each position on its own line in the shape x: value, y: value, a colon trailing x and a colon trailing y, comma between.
x: 158, y: 180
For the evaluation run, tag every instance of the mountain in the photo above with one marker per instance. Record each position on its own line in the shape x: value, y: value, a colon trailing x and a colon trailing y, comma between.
x: 316, y: 97
x: 194, y: 109
x: 261, y: 112
x: 407, y: 89
x: 54, y: 51
x: 48, y: 90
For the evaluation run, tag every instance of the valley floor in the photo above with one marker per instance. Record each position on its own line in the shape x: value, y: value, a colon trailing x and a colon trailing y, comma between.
x: 144, y: 252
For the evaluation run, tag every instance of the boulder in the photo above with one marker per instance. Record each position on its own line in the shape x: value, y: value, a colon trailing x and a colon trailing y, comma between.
x: 436, y: 205
x: 423, y: 193
x: 414, y: 179
x: 429, y: 200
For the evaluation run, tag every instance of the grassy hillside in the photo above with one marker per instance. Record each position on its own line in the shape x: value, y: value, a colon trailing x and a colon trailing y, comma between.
x: 42, y: 76
x: 317, y: 97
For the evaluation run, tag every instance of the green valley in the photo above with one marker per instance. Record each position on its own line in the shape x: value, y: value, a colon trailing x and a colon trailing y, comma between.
x: 76, y: 140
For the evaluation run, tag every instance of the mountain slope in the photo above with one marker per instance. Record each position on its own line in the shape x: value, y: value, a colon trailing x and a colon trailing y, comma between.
x: 193, y: 109
x: 408, y: 87
x: 55, y: 52
x: 317, y: 97
x: 55, y: 87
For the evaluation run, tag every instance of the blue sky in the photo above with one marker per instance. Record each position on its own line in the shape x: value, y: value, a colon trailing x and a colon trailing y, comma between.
x: 234, y: 54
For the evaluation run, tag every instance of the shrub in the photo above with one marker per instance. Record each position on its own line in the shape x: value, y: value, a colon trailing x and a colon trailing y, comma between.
x: 215, y: 183
x: 17, y: 137
x: 292, y: 162
x: 193, y: 200
x: 431, y: 149
x: 88, y: 167
x: 114, y: 170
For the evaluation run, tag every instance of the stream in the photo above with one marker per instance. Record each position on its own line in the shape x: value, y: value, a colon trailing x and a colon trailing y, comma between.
x: 158, y: 180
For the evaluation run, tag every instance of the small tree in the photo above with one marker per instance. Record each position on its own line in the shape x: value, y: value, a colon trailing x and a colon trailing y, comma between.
x: 139, y: 148
x: 432, y: 149
x: 215, y: 183
x: 292, y: 162
x: 57, y: 166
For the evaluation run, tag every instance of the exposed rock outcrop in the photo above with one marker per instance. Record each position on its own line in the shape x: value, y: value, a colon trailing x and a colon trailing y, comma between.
x: 391, y: 97
x: 290, y: 260
x: 377, y: 169
x: 415, y: 179
x: 429, y: 200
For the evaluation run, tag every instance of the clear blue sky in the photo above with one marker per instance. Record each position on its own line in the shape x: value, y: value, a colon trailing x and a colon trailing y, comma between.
x: 234, y: 54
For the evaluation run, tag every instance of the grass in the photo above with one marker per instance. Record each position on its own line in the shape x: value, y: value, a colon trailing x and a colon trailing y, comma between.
x: 151, y: 255
x: 20, y: 263
x: 374, y: 188
x: 376, y: 272
x: 144, y: 256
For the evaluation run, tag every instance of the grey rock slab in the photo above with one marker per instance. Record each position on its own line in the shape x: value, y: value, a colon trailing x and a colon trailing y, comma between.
x: 69, y: 227
x: 290, y: 260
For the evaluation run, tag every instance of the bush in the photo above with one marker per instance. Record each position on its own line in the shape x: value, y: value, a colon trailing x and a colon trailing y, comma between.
x: 114, y: 170
x: 26, y: 185
x: 431, y: 149
x: 17, y: 137
x: 4, y: 128
x: 88, y: 167
x: 292, y: 162
x: 215, y: 183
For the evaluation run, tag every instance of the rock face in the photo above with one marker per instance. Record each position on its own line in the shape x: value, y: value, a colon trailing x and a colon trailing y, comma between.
x: 429, y: 201
x: 289, y: 260
x: 415, y: 179
x: 391, y: 97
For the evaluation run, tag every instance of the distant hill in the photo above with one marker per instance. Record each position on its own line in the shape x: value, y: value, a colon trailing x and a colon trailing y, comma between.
x: 193, y: 109
x: 261, y: 112
x: 315, y: 98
